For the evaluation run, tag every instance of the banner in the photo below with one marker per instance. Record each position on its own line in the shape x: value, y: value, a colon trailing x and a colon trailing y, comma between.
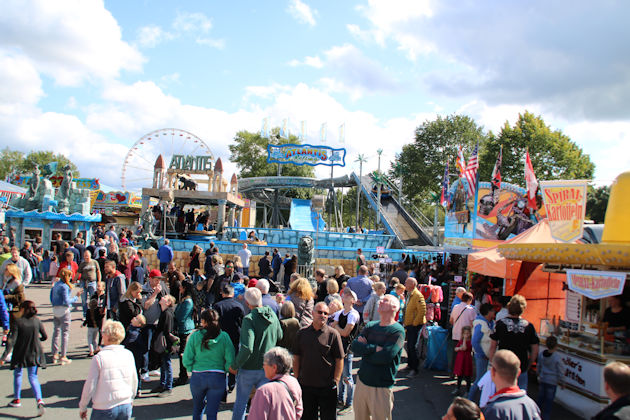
x: 596, y: 284
x: 82, y: 183
x: 565, y: 205
x: 305, y: 154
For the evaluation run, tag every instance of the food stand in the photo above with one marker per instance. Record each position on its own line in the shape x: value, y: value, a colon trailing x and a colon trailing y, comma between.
x: 594, y: 272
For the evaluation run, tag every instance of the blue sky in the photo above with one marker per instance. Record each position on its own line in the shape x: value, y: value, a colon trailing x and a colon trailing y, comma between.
x: 89, y: 78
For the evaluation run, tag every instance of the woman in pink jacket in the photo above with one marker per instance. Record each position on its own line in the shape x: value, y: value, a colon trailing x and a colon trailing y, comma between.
x: 281, y: 397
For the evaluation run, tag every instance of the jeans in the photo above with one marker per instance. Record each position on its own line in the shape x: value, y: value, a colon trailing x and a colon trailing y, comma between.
x: 148, y: 330
x: 88, y: 290
x: 32, y: 378
x: 92, y: 339
x: 246, y: 271
x: 322, y: 400
x: 206, y: 388
x: 522, y: 381
x: 481, y: 367
x: 61, y: 326
x: 546, y: 395
x: 166, y: 371
x: 120, y: 412
x: 245, y: 381
x: 346, y: 381
x: 412, y: 353
x: 163, y: 266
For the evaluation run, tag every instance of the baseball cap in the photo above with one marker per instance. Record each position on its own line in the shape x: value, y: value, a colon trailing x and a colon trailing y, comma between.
x: 348, y: 291
x: 155, y: 273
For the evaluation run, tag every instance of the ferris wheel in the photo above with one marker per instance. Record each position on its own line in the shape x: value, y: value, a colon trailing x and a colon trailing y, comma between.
x: 137, y: 168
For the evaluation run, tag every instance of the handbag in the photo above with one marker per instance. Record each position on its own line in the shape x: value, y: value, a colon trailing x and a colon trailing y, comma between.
x: 159, y: 344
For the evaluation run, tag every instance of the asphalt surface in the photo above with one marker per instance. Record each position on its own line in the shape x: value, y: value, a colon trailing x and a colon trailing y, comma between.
x: 427, y: 396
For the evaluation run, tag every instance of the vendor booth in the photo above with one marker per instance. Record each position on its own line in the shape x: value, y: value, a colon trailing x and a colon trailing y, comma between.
x: 543, y: 290
x: 594, y: 326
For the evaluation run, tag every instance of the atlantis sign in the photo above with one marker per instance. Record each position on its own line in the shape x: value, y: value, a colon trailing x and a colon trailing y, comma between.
x: 305, y: 154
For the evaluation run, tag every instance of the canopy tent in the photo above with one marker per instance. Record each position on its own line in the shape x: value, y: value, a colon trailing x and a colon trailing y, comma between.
x: 543, y: 291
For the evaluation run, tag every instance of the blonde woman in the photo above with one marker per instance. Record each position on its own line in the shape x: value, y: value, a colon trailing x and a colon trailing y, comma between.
x: 61, y: 299
x: 238, y: 264
x: 301, y: 294
x: 130, y: 304
x: 13, y: 277
x: 340, y: 276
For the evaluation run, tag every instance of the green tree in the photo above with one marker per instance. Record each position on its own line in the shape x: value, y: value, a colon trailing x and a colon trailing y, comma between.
x: 42, y: 158
x: 553, y: 154
x: 421, y: 163
x: 596, y: 203
x: 249, y: 152
x: 10, y: 161
x: 14, y: 161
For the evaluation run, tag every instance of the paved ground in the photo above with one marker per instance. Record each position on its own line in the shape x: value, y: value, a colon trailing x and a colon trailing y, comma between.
x: 429, y: 393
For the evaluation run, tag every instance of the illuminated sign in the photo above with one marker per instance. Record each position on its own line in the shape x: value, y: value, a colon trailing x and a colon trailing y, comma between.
x: 565, y: 203
x: 305, y: 154
x: 596, y: 284
x: 191, y: 163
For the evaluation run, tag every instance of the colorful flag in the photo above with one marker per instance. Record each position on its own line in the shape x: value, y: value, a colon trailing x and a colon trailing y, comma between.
x: 531, y: 182
x: 302, y: 130
x: 444, y: 199
x: 284, y: 130
x: 342, y: 133
x: 496, y: 178
x: 471, y: 172
x: 322, y: 132
x: 461, y: 162
x: 264, y: 130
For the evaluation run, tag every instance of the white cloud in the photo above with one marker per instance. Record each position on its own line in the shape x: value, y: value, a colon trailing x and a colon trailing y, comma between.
x: 152, y: 35
x: 315, y: 62
x: 192, y: 22
x: 568, y: 60
x: 71, y: 41
x: 19, y: 81
x: 302, y: 12
x: 210, y: 42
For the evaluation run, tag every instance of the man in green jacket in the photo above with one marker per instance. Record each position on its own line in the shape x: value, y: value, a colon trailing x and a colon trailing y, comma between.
x: 259, y: 333
x: 380, y: 346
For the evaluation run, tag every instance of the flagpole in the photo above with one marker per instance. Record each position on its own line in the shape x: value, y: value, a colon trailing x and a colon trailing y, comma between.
x: 475, y: 206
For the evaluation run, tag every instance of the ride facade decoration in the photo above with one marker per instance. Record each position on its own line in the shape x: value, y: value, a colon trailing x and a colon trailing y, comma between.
x: 43, y: 210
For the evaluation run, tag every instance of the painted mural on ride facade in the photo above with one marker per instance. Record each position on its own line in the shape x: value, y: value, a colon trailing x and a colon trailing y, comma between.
x: 490, y: 217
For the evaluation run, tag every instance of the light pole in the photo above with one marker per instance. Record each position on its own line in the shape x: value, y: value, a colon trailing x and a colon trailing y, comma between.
x: 360, y: 159
x: 378, y: 199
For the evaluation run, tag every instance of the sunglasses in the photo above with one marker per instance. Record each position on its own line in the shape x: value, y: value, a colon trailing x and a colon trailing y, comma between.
x: 322, y: 312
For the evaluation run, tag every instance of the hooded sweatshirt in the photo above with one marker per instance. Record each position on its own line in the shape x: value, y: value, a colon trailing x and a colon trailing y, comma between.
x: 260, y: 332
x: 482, y: 328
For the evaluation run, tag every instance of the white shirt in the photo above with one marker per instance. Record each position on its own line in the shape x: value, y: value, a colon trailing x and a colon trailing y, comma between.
x: 353, y: 316
x: 245, y: 255
x: 468, y: 315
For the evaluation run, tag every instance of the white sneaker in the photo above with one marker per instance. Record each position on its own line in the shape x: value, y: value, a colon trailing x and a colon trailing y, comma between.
x: 146, y: 377
x: 155, y: 372
x: 41, y: 408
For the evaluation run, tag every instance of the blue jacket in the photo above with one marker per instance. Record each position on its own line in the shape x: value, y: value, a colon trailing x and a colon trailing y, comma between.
x: 165, y: 254
x: 276, y: 262
x: 479, y: 325
x: 4, y: 313
x: 60, y: 295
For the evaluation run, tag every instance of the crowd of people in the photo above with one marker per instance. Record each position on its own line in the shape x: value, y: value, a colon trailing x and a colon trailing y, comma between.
x: 284, y: 345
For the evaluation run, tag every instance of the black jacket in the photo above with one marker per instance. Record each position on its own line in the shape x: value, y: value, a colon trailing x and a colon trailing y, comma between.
x: 127, y: 310
x: 231, y: 315
x: 27, y: 350
x: 619, y: 410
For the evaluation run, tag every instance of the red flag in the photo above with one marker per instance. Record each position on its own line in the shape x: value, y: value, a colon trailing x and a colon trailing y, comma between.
x: 496, y: 172
x: 531, y: 182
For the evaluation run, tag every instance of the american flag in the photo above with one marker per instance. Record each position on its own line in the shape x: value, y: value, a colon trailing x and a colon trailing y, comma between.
x: 471, y: 172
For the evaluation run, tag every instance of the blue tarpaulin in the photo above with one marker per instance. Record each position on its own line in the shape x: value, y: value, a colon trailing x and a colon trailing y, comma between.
x: 436, y: 349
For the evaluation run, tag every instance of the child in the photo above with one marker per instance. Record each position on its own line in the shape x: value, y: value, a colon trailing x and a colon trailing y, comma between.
x: 44, y: 267
x: 94, y: 322
x: 549, y: 372
x: 370, y: 313
x: 54, y: 267
x: 463, y: 360
x: 279, y: 298
x: 334, y: 306
x: 347, y: 324
x: 136, y: 343
x: 399, y: 292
